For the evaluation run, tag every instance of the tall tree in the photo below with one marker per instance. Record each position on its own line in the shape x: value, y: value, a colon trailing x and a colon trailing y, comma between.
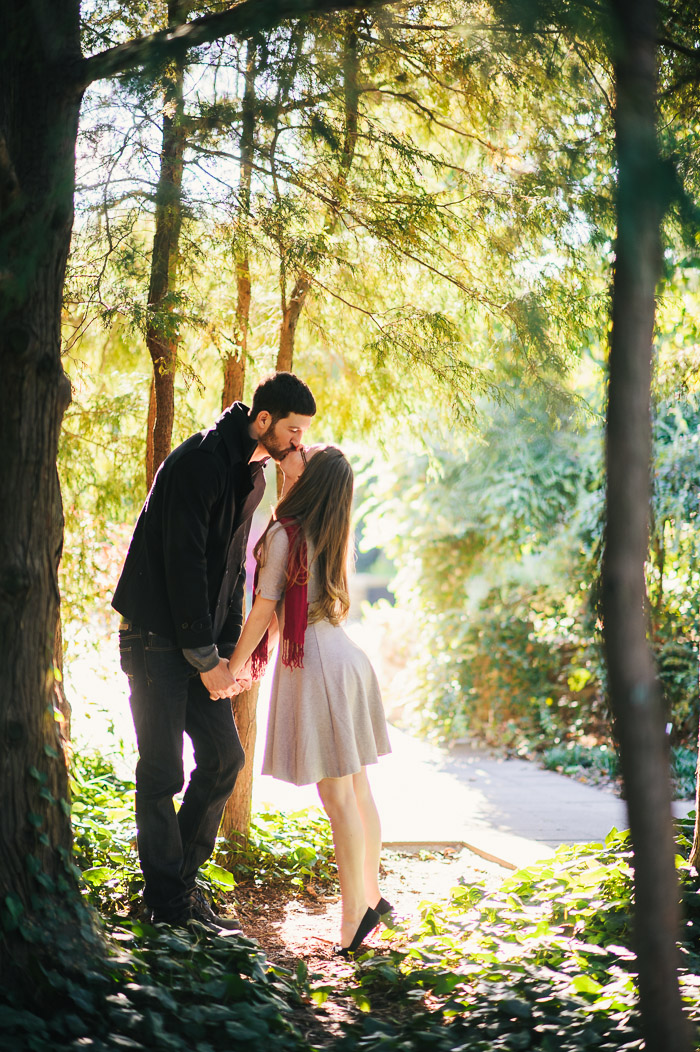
x: 235, y: 362
x: 235, y: 823
x: 634, y: 686
x: 39, y: 107
x: 162, y: 333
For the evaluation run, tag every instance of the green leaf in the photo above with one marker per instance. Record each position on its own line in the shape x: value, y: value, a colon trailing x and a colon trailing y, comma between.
x: 219, y: 876
x: 583, y: 984
x: 97, y: 875
x: 14, y: 906
x: 361, y: 1000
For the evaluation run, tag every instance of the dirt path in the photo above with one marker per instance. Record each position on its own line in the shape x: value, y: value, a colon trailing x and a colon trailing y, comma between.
x: 305, y: 928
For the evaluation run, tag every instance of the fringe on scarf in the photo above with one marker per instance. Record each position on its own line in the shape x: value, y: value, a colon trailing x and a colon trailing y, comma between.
x: 296, y: 610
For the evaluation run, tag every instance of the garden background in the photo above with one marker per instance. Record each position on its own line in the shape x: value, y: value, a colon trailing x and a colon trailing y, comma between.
x: 420, y: 209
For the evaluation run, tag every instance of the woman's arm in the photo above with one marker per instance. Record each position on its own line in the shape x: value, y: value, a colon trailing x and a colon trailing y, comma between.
x: 259, y: 620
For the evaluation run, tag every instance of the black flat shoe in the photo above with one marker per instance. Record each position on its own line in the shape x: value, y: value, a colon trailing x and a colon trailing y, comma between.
x: 368, y: 922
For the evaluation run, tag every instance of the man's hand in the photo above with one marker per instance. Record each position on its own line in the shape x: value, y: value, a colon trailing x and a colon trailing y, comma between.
x: 219, y: 681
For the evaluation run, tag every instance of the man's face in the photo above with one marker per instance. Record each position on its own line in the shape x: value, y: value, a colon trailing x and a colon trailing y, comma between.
x: 284, y: 436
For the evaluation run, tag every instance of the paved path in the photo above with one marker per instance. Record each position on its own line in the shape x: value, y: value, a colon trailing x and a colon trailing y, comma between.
x: 510, y: 811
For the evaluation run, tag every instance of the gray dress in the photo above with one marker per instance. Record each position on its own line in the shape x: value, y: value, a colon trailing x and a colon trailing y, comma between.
x: 326, y: 719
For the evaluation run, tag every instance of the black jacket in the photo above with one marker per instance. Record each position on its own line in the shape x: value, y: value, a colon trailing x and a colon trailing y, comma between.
x: 184, y: 574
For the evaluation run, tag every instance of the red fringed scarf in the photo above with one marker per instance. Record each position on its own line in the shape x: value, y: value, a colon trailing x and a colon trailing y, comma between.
x: 296, y: 607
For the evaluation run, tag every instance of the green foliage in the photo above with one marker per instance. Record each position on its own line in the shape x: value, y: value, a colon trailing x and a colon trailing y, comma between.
x: 290, y: 850
x: 590, y: 763
x: 684, y: 764
x: 497, y: 539
x: 498, y: 536
x: 544, y: 962
x: 104, y: 833
x: 573, y: 759
x: 470, y: 160
x: 293, y: 849
x: 157, y: 989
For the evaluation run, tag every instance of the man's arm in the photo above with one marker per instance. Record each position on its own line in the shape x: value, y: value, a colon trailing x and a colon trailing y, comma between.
x: 191, y: 493
x: 204, y: 659
x: 231, y: 629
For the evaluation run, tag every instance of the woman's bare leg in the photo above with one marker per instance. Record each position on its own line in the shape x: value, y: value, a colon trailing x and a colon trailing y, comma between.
x: 369, y: 816
x: 340, y: 803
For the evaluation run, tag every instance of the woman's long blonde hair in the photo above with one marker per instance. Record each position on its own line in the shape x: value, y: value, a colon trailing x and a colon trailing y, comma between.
x: 321, y: 502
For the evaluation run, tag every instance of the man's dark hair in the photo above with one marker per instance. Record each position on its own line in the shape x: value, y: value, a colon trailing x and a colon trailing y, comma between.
x: 280, y: 395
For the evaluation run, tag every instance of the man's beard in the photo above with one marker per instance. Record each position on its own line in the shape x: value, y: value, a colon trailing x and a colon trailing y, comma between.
x: 272, y: 444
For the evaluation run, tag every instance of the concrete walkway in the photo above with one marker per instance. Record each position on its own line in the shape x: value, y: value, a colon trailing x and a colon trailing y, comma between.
x: 509, y: 811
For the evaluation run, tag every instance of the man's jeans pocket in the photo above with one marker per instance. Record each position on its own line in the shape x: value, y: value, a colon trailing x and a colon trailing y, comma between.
x: 163, y: 659
x: 128, y: 639
x: 159, y: 644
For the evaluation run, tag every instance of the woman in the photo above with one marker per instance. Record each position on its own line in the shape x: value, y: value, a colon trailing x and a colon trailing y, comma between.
x: 326, y: 719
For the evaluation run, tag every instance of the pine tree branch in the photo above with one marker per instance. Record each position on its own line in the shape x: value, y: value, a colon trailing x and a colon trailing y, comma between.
x: 243, y: 19
x: 681, y: 49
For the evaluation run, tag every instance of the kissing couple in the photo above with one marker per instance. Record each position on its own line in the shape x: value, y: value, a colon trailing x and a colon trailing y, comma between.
x: 186, y: 652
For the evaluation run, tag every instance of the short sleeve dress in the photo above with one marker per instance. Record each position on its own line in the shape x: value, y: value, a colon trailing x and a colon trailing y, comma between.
x: 326, y: 719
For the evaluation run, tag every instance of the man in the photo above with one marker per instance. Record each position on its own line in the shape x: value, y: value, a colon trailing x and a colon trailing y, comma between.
x: 180, y: 595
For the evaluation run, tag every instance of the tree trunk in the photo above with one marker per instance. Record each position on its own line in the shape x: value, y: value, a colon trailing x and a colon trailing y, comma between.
x: 40, y: 907
x: 290, y: 317
x: 162, y: 334
x: 234, y: 364
x: 150, y: 428
x: 634, y: 686
x: 235, y: 823
x: 61, y: 703
x: 695, y: 849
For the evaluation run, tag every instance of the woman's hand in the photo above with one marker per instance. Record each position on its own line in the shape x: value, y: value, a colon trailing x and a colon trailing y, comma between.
x: 244, y: 677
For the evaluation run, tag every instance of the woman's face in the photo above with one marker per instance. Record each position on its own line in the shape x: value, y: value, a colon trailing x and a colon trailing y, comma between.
x: 294, y: 463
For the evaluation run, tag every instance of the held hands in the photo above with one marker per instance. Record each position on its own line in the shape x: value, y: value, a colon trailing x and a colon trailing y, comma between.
x: 242, y: 674
x: 221, y: 684
x: 245, y: 676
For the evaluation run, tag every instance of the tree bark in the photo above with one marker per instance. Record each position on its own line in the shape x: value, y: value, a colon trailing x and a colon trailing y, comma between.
x: 61, y: 703
x: 162, y: 334
x: 39, y: 109
x: 234, y: 364
x: 634, y: 686
x: 235, y: 822
x: 150, y: 430
x: 695, y: 849
x: 290, y: 317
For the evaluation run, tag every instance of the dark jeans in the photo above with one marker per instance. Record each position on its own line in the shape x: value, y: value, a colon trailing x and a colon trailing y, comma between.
x: 168, y: 699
